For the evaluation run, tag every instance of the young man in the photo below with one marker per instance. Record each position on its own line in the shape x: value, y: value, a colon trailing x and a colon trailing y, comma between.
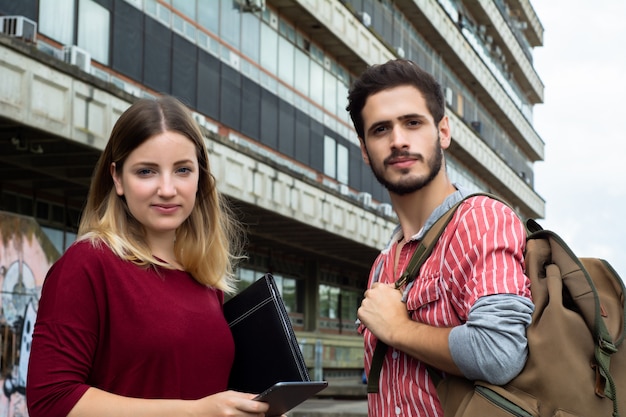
x: 467, y: 311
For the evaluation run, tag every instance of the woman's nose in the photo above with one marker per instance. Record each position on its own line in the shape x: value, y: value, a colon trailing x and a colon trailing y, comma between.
x: 167, y: 188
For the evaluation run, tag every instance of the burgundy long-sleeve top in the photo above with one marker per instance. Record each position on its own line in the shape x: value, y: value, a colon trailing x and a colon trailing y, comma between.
x: 138, y: 332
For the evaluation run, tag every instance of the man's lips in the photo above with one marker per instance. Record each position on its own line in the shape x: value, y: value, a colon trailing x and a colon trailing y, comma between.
x: 400, y: 162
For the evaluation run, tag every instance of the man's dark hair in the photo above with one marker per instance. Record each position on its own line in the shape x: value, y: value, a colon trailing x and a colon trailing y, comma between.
x: 394, y: 73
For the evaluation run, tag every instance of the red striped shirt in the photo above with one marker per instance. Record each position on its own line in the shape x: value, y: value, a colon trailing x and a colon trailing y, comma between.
x: 481, y: 252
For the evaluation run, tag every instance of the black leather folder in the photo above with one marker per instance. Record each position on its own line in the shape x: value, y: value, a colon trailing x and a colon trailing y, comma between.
x: 266, y: 348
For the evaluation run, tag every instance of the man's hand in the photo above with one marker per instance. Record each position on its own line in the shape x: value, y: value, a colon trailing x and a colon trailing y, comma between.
x: 386, y: 316
x: 382, y: 311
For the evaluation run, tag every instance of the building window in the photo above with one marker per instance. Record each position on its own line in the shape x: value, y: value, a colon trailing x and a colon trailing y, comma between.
x: 286, y: 58
x: 316, y: 82
x: 208, y: 16
x: 335, y: 160
x: 330, y: 92
x: 250, y: 35
x: 188, y: 8
x: 269, y: 49
x: 287, y: 287
x: 230, y: 19
x: 56, y: 20
x: 338, y: 308
x: 302, y: 72
x: 93, y: 30
x: 288, y: 291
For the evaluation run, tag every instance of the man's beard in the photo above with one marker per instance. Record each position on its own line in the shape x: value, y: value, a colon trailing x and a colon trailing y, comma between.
x: 412, y: 184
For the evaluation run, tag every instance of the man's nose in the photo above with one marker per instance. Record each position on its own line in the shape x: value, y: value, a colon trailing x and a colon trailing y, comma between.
x: 398, y: 138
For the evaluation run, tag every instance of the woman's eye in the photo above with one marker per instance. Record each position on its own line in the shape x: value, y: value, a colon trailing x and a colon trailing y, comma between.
x: 184, y: 170
x: 144, y: 172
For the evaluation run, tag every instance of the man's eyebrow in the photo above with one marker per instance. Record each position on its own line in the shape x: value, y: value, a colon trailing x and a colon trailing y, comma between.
x: 412, y: 116
x: 402, y: 118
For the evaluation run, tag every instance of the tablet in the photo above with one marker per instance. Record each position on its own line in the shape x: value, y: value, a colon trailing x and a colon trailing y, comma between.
x: 283, y: 396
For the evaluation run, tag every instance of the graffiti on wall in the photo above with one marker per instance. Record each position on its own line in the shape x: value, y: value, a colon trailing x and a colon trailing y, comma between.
x: 26, y: 254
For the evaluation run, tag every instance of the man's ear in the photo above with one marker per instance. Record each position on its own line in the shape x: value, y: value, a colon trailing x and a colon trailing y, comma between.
x: 366, y: 157
x: 117, y: 181
x: 445, y: 136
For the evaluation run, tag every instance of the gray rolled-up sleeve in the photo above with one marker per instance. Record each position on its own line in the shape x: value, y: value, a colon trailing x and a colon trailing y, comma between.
x: 492, y: 345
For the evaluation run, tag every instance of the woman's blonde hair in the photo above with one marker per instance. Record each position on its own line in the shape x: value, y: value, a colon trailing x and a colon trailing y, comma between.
x: 210, y: 240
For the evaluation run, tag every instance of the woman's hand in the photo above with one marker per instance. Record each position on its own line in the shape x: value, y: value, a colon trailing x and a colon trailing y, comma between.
x: 229, y: 403
x: 96, y: 402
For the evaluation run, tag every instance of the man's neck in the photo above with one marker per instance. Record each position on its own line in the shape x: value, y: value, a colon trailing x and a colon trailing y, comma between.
x: 414, y: 209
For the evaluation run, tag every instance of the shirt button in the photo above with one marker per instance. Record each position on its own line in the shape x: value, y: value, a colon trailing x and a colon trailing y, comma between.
x: 395, y: 354
x: 398, y: 410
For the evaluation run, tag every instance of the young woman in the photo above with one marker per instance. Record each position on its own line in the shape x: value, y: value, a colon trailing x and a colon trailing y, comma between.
x: 130, y: 319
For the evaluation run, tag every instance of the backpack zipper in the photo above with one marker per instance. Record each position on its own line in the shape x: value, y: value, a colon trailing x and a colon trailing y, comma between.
x: 501, y: 402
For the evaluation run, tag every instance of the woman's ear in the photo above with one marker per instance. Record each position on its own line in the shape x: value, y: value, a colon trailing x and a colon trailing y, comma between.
x: 117, y: 180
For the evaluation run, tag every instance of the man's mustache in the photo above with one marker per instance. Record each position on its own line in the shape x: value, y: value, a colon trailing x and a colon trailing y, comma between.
x: 401, y: 154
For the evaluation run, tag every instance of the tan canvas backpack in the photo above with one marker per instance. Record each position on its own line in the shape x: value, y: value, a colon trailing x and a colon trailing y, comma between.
x: 575, y: 365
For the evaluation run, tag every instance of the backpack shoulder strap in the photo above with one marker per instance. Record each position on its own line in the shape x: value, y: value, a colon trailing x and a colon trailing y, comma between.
x: 430, y: 239
x: 420, y: 255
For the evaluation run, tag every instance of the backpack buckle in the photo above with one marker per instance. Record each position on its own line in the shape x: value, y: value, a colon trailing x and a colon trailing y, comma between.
x: 401, y: 281
x: 607, y: 347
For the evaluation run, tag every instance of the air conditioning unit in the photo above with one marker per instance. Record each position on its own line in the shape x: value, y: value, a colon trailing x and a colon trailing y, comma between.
x: 19, y: 27
x: 449, y: 96
x: 103, y: 75
x: 128, y: 87
x: 385, y: 209
x: 199, y: 118
x: 400, y: 51
x: 251, y: 5
x: 327, y: 63
x: 344, y: 189
x: 365, y: 18
x: 77, y: 56
x: 365, y: 198
x: 521, y: 25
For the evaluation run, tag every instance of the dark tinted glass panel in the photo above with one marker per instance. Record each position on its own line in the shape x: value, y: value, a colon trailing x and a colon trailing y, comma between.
x: 230, y: 97
x: 317, y: 146
x: 269, y: 119
x: 184, y: 70
x: 127, y: 48
x: 157, y: 57
x: 302, y: 135
x: 356, y: 166
x: 250, y: 108
x: 108, y: 3
x: 286, y: 125
x: 26, y: 8
x: 208, y: 84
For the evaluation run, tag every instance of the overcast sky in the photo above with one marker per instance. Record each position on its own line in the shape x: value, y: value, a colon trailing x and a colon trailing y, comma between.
x: 583, y: 124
